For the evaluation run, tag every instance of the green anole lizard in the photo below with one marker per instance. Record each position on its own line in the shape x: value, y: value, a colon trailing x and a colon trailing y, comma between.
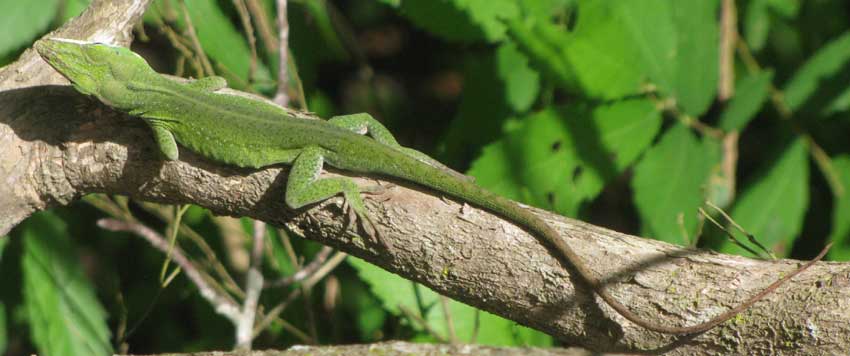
x: 248, y: 132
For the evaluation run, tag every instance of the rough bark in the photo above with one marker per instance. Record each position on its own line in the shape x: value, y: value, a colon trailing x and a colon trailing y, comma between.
x: 401, y: 349
x: 58, y: 145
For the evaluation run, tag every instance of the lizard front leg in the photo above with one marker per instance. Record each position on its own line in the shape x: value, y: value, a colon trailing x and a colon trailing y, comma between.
x: 303, y: 187
x: 165, y: 141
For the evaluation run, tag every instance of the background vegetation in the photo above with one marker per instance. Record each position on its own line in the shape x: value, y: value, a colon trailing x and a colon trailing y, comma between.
x: 627, y: 114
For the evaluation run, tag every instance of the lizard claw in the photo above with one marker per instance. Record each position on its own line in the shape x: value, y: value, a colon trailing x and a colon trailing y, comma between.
x: 356, y: 211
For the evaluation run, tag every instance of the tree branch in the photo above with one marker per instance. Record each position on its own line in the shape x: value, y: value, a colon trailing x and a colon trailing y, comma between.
x: 397, y: 348
x: 59, y: 145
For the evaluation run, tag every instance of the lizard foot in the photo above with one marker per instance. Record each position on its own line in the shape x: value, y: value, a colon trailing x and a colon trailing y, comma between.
x: 356, y: 211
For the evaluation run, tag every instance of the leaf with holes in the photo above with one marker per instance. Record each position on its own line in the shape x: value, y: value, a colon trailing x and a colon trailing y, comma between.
x: 561, y: 157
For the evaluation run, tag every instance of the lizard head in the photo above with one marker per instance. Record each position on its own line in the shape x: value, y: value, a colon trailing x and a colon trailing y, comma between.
x: 94, y: 68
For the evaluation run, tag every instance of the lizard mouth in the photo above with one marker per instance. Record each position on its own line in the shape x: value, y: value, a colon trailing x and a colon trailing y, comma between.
x: 68, y: 57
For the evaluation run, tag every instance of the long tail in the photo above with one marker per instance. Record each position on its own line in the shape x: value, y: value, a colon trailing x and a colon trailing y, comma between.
x: 472, y: 193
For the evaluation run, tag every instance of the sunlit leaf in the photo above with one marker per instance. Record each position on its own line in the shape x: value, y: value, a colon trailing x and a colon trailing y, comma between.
x: 772, y: 205
x: 21, y: 21
x: 668, y: 186
x: 560, y: 157
x: 597, y: 59
x: 696, y: 47
x: 73, y: 8
x: 618, y: 45
x: 462, y: 20
x: 522, y: 84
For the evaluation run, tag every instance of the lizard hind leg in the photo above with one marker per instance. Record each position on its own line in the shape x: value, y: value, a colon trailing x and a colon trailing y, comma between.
x: 304, y: 187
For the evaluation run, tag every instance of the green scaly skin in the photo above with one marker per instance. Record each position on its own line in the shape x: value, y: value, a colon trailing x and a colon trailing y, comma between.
x: 252, y: 133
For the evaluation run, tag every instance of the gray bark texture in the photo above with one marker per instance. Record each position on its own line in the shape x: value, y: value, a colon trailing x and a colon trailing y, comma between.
x: 397, y: 348
x: 59, y: 145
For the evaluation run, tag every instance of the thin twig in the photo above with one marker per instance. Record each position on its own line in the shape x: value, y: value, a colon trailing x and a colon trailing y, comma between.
x: 245, y: 326
x: 326, y: 268
x: 728, y: 234
x: 287, y: 246
x: 728, y: 37
x: 274, y: 313
x: 740, y: 228
x: 211, y: 258
x: 264, y: 27
x: 418, y: 319
x: 245, y: 18
x: 281, y: 97
x: 450, y: 325
x: 729, y: 164
x: 304, y: 272
x: 196, y: 43
x: 253, y: 288
x: 221, y: 302
x: 179, y: 210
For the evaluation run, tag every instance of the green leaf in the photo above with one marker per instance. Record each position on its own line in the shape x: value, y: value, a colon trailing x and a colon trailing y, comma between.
x: 772, y: 206
x: 840, y: 234
x: 64, y: 314
x: 750, y: 94
x: 366, y: 307
x: 823, y: 65
x: 521, y: 82
x: 756, y: 24
x: 668, y: 186
x: 492, y: 329
x: 617, y: 45
x: 394, y: 292
x: 839, y: 104
x: 545, y: 9
x: 671, y: 42
x: 650, y: 27
x: 22, y: 21
x: 73, y: 8
x: 595, y: 60
x: 224, y: 44
x: 758, y: 19
x: 462, y: 20
x: 696, y: 47
x: 785, y: 8
x: 560, y: 157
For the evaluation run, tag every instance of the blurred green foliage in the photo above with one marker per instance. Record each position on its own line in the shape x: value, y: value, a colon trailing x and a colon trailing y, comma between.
x: 608, y: 111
